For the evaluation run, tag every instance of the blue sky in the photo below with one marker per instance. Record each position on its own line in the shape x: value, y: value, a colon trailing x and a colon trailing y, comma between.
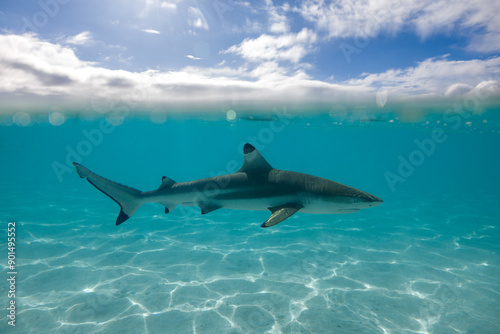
x: 182, y: 50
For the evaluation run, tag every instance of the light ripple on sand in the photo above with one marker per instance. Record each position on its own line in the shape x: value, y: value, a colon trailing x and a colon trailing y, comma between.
x: 390, y: 273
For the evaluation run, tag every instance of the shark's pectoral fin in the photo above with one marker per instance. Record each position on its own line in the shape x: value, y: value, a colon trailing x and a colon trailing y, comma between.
x: 280, y: 213
x: 206, y: 208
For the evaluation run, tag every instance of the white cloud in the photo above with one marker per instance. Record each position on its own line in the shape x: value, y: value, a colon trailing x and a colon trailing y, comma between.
x: 151, y: 31
x: 278, y: 22
x: 168, y: 5
x: 485, y: 89
x: 151, y: 5
x: 368, y: 18
x: 46, y: 74
x: 192, y: 57
x: 251, y: 27
x: 487, y: 42
x: 450, y: 15
x: 458, y: 89
x: 438, y: 76
x: 35, y: 70
x: 197, y: 19
x: 279, y: 26
x: 83, y: 38
x: 288, y: 47
x: 348, y: 18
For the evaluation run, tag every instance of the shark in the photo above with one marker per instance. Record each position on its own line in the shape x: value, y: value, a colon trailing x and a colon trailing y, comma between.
x: 255, y: 186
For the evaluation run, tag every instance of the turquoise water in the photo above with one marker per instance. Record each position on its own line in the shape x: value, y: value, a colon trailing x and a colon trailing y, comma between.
x: 425, y: 261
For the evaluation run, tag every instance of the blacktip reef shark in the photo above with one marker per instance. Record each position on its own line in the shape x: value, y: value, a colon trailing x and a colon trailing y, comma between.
x: 255, y: 186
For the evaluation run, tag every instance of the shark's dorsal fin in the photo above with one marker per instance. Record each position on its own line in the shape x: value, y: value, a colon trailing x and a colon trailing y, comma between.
x: 280, y: 213
x: 254, y: 161
x: 166, y: 182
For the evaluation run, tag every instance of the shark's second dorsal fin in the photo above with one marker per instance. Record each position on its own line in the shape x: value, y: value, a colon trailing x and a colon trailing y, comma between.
x: 254, y: 161
x: 166, y: 182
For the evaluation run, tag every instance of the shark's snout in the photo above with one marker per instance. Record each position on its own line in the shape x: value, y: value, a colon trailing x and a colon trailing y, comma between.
x: 374, y: 201
x: 363, y: 200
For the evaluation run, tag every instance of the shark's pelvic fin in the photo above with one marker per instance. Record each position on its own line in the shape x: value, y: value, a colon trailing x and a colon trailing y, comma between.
x: 167, y: 183
x: 254, y: 161
x: 280, y: 213
x: 209, y: 208
x: 129, y: 199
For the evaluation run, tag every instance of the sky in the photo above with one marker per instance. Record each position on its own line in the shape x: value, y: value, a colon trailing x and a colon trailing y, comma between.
x: 157, y: 53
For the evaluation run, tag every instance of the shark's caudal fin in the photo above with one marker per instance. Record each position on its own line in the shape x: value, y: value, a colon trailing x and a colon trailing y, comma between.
x: 129, y: 199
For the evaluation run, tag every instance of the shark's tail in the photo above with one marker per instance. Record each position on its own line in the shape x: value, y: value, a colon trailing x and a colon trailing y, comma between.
x: 129, y: 199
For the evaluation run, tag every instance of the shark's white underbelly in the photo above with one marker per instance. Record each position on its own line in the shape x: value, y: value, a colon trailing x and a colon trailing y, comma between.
x: 256, y: 203
x: 309, y: 203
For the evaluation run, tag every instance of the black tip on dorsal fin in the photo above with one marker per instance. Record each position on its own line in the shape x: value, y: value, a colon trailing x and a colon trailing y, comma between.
x: 166, y: 182
x: 254, y: 161
x: 248, y: 148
